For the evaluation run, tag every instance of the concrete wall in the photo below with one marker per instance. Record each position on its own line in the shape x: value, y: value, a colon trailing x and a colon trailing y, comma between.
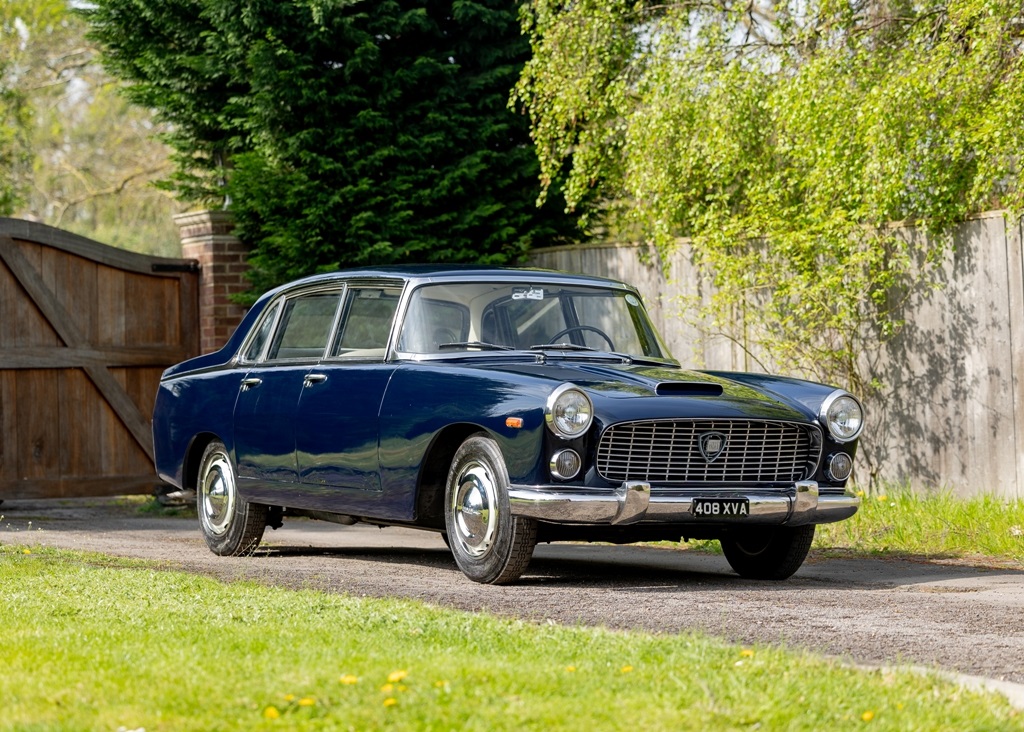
x: 951, y: 414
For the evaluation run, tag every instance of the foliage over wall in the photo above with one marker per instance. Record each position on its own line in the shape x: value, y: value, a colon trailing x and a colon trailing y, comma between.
x: 342, y: 133
x: 783, y: 137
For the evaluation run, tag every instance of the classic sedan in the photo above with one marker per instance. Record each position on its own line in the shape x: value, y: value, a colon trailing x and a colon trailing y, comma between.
x: 499, y: 407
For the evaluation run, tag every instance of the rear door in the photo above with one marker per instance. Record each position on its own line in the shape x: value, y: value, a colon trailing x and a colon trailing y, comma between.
x: 264, y: 419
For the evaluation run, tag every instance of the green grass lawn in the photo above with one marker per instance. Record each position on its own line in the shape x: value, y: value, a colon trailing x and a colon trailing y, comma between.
x: 98, y: 644
x: 896, y: 521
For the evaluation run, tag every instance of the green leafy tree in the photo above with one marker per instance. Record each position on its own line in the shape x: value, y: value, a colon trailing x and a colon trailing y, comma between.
x: 782, y: 138
x: 13, y: 146
x: 340, y: 132
x: 73, y: 153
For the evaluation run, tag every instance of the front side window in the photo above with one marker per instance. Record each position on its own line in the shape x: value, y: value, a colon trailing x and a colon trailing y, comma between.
x: 305, y: 326
x: 366, y: 323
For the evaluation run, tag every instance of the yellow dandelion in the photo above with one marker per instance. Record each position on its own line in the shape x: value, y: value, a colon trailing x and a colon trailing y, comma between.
x: 390, y: 701
x: 349, y: 679
x: 860, y: 494
x: 289, y: 697
x: 271, y: 713
x: 570, y: 669
x: 397, y: 676
x: 626, y: 669
x: 747, y: 653
x: 26, y: 551
x: 387, y: 688
x: 440, y: 684
x: 402, y: 687
x: 868, y: 716
x: 307, y: 701
x: 883, y: 498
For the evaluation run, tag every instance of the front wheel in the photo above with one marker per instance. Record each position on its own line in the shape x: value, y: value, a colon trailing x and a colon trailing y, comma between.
x: 768, y: 554
x: 489, y: 544
x: 231, y: 525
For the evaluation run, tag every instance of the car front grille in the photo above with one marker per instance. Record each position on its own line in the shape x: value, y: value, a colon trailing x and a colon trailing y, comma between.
x: 669, y: 451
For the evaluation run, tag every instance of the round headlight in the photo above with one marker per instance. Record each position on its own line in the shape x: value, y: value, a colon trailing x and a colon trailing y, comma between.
x: 565, y: 464
x: 569, y: 411
x: 843, y: 415
x: 840, y: 466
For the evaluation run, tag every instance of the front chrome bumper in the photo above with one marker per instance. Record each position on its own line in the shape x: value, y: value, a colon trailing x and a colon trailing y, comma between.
x: 632, y: 502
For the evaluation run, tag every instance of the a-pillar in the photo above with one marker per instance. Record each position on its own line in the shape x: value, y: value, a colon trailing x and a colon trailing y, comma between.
x: 206, y: 237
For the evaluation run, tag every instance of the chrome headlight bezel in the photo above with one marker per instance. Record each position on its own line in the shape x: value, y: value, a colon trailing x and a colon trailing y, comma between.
x: 829, y: 413
x: 843, y: 470
x: 563, y: 397
x: 565, y: 464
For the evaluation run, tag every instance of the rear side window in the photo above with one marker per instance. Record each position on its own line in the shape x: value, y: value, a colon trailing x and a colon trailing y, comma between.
x: 305, y: 327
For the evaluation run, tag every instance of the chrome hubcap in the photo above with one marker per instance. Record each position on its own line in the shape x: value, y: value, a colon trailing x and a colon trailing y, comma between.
x: 217, y: 494
x: 474, y: 508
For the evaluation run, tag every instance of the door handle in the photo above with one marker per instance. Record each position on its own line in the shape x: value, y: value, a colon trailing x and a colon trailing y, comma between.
x: 314, y: 379
x: 250, y: 382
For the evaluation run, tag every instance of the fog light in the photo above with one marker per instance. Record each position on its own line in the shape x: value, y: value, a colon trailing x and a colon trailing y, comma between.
x: 840, y: 466
x: 565, y: 464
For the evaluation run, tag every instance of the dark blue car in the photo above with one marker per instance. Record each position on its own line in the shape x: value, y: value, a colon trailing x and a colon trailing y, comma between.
x: 501, y: 408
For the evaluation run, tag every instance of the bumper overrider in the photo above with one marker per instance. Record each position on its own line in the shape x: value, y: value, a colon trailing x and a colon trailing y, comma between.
x: 632, y: 503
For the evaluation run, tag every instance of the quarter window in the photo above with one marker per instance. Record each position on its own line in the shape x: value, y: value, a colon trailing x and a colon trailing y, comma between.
x: 261, y: 336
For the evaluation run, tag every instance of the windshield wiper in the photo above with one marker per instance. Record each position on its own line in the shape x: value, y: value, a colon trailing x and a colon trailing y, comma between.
x: 561, y: 347
x: 577, y: 347
x: 474, y: 344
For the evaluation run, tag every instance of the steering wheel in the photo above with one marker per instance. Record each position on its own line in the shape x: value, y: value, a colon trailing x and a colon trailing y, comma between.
x: 581, y: 328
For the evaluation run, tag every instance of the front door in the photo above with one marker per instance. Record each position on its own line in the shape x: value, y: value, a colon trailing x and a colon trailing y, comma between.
x: 336, y: 426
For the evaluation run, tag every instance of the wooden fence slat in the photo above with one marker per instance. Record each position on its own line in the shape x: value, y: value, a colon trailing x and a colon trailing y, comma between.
x: 60, y: 358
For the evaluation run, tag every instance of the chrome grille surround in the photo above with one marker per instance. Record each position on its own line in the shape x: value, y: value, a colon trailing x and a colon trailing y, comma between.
x: 668, y: 452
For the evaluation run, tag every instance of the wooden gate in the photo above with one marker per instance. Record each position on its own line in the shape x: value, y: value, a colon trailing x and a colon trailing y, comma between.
x: 85, y: 332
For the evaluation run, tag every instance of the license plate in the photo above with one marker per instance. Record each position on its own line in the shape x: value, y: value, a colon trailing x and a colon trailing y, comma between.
x: 720, y: 507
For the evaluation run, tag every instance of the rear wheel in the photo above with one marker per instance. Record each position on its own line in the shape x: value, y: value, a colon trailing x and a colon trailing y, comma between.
x: 489, y: 544
x: 231, y: 525
x: 768, y: 553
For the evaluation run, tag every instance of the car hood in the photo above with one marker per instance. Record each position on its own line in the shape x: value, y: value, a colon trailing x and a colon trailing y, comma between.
x: 661, y: 392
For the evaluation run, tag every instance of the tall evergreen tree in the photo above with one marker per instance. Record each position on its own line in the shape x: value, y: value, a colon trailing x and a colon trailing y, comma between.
x: 345, y: 132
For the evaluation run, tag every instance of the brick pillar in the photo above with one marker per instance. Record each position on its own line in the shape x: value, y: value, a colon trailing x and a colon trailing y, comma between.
x: 206, y: 236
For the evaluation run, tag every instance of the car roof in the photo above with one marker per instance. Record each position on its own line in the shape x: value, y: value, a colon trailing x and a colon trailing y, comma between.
x: 426, y: 273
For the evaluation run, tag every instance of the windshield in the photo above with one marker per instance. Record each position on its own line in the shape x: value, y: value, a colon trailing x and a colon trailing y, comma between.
x: 487, y: 316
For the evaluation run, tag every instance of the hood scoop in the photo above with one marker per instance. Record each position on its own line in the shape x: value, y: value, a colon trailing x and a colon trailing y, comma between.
x: 688, y: 389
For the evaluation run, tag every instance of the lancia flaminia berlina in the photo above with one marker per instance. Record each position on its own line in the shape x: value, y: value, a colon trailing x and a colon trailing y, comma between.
x: 500, y: 408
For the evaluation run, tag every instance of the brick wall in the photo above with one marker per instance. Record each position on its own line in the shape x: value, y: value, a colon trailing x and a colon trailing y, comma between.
x: 206, y: 237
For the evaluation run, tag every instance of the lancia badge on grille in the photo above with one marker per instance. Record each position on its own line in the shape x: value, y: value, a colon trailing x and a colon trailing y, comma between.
x: 712, y: 444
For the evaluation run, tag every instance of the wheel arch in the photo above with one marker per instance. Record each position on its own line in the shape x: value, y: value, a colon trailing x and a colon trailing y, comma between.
x: 194, y: 457
x: 433, y: 473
